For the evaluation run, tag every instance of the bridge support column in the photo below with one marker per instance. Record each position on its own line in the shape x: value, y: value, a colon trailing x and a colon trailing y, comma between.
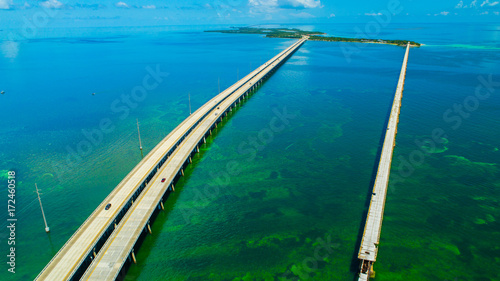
x: 173, y: 188
x: 161, y: 205
x: 133, y: 256
x: 149, y: 229
x: 182, y: 172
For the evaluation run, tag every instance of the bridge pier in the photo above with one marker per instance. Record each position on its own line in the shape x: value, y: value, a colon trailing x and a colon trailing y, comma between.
x: 133, y: 256
x: 134, y: 188
x: 368, y: 249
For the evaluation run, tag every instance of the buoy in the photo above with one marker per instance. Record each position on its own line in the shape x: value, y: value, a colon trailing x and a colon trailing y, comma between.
x: 2, y: 92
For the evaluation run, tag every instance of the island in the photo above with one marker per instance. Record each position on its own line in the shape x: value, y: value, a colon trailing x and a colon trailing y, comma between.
x: 294, y: 33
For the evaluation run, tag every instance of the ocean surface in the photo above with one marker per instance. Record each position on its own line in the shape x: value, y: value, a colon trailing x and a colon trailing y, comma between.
x: 295, y: 207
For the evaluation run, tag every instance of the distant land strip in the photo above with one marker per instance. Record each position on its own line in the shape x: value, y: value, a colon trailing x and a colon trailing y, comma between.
x: 294, y: 33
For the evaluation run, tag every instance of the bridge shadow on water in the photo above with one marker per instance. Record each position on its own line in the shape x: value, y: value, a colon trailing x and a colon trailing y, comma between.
x: 159, y: 218
x: 355, y: 262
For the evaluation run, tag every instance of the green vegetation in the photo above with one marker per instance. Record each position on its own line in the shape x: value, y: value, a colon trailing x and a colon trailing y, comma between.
x: 270, y: 32
x: 294, y: 33
x: 364, y: 40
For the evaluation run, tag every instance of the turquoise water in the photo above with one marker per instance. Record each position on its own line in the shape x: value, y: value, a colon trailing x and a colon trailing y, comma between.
x: 244, y: 216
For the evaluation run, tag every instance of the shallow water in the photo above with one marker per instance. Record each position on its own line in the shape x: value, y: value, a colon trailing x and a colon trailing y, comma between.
x: 306, y: 185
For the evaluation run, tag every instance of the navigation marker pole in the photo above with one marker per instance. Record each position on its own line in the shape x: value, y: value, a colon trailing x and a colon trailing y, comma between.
x: 41, y: 207
x: 140, y: 144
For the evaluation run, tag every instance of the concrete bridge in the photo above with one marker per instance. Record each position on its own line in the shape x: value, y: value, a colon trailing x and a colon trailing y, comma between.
x: 101, y: 248
x: 105, y: 244
x: 371, y: 235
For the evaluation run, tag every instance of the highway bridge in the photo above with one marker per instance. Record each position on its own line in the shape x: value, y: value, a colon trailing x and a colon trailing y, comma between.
x: 373, y: 226
x: 103, y: 245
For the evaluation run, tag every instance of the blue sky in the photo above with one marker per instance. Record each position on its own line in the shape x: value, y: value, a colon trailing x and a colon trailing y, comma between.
x: 156, y: 12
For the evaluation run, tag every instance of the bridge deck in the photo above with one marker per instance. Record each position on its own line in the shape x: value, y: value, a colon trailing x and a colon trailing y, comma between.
x: 371, y: 235
x: 118, y: 248
x: 73, y: 258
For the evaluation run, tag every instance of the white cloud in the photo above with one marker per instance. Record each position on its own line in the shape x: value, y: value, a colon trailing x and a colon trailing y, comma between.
x: 473, y: 3
x: 5, y: 4
x: 373, y: 14
x: 306, y: 4
x: 263, y: 3
x: 149, y: 7
x: 332, y: 15
x: 443, y: 13
x: 121, y: 5
x: 52, y: 4
x: 460, y: 5
x: 302, y: 15
x: 296, y: 4
x: 496, y: 13
x: 487, y: 2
